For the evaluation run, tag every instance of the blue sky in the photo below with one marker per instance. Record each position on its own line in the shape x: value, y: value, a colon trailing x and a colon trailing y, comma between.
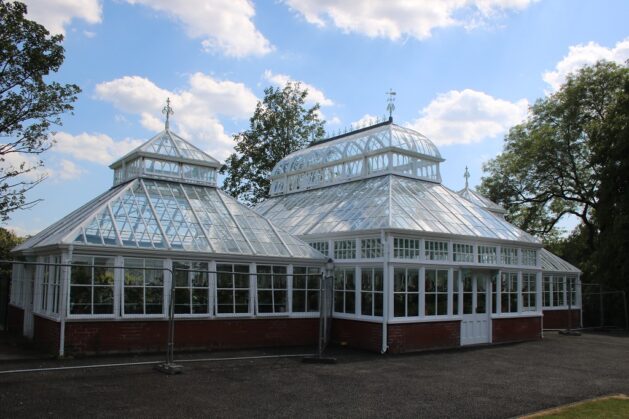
x: 464, y: 72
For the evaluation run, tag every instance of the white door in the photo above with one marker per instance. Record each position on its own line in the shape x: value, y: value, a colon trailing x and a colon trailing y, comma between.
x: 475, y: 321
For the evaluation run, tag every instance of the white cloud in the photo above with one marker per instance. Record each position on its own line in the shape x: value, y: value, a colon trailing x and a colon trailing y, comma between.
x: 55, y: 15
x: 468, y: 116
x: 24, y: 231
x: 393, y: 19
x: 196, y: 108
x: 582, y: 55
x: 64, y: 170
x: 364, y: 121
x: 223, y: 25
x: 314, y: 95
x: 22, y: 162
x: 335, y: 120
x: 95, y: 148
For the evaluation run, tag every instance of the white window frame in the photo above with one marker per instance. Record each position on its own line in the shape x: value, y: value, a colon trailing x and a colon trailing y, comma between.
x: 375, y: 293
x: 250, y: 289
x: 190, y: 274
x: 91, y: 264
x: 159, y: 267
x: 273, y: 290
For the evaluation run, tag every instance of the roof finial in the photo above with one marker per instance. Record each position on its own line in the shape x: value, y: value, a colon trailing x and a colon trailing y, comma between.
x: 167, y: 111
x: 390, y: 105
x: 466, y: 176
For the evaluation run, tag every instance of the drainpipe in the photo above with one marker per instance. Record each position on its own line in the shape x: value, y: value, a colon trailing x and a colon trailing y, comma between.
x: 386, y: 291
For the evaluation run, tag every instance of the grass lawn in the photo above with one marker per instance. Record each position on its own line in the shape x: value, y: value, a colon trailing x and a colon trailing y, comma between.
x: 607, y: 407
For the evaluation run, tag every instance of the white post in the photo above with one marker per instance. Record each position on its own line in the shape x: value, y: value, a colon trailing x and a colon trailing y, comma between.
x: 64, y: 297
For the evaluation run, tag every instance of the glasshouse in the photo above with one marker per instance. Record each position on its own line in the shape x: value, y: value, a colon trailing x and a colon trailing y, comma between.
x: 417, y: 265
x: 413, y: 265
x: 99, y: 280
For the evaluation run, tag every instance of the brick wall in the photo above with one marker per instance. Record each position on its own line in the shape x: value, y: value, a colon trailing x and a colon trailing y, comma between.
x: 357, y: 334
x: 15, y: 320
x: 516, y: 329
x: 46, y: 334
x: 558, y: 319
x: 150, y: 336
x: 409, y: 337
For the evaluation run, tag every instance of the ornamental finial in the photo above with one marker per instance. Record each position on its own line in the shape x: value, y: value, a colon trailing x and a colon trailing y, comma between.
x: 167, y: 111
x: 466, y: 176
x: 390, y: 105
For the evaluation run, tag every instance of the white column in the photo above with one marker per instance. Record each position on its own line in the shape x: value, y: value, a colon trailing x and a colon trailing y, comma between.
x: 64, y: 296
x: 450, y: 292
x: 422, y: 291
x: 539, y: 286
x: 519, y: 285
x: 118, y: 285
x: 357, y: 289
x: 289, y: 288
x: 499, y: 292
x: 168, y: 282
x: 212, y: 286
x: 253, y: 288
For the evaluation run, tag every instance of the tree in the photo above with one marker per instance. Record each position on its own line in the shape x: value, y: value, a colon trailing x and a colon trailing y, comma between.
x: 549, y: 166
x: 611, y: 153
x: 280, y: 125
x: 29, y: 102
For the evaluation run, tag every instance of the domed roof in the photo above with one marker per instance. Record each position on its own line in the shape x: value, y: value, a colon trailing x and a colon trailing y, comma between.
x: 372, y: 151
x: 366, y: 141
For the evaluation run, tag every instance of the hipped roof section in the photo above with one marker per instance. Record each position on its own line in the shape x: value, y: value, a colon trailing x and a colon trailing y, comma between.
x: 553, y: 263
x: 153, y: 214
x: 169, y: 146
x: 387, y: 202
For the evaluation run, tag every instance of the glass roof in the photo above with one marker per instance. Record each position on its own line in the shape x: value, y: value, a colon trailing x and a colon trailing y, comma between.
x: 553, y: 263
x: 170, y: 147
x: 389, y: 201
x: 478, y: 199
x: 363, y: 142
x: 153, y: 214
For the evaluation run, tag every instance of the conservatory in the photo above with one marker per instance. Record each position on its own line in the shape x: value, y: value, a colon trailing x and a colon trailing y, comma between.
x: 417, y: 265
x: 99, y: 280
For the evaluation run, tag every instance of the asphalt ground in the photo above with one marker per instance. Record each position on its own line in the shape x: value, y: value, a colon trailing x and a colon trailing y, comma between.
x: 488, y: 382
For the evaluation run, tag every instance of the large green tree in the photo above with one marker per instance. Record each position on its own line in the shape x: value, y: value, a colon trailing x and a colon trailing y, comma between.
x: 611, y: 153
x: 571, y: 156
x: 280, y: 125
x: 30, y: 103
x: 550, y: 166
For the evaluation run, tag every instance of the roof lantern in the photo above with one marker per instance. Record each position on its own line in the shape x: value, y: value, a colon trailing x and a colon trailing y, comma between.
x: 167, y: 156
x: 379, y: 149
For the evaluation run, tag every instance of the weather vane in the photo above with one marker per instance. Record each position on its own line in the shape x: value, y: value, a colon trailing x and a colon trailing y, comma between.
x: 390, y: 100
x: 167, y: 111
x: 466, y: 176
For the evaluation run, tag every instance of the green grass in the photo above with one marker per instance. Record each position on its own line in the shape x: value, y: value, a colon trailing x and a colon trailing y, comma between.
x: 613, y: 407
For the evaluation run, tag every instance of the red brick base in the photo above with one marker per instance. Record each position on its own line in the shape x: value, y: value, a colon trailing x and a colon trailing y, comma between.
x: 409, y: 337
x: 516, y: 329
x: 15, y: 320
x: 150, y: 336
x: 558, y: 319
x: 46, y: 334
x: 357, y: 334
